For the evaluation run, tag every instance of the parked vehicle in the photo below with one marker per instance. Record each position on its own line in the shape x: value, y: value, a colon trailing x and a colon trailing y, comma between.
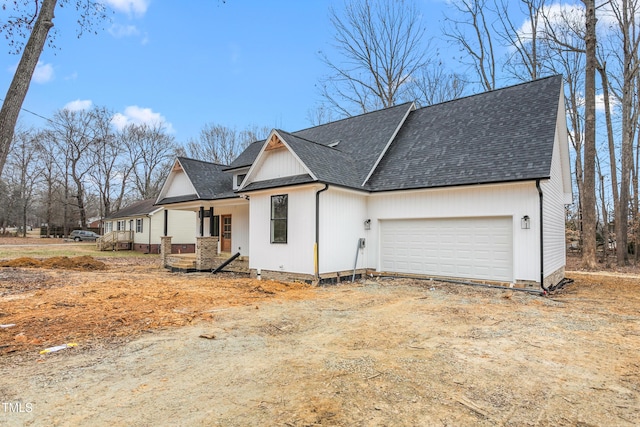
x: 82, y: 235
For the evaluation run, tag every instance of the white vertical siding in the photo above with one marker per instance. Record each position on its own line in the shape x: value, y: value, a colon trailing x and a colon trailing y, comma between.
x: 504, y: 200
x: 342, y: 216
x: 180, y: 226
x: 554, y: 216
x: 179, y: 185
x: 277, y: 164
x: 295, y: 256
x: 157, y: 227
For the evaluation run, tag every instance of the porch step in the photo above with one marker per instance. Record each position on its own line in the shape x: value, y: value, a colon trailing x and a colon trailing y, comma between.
x: 181, y: 262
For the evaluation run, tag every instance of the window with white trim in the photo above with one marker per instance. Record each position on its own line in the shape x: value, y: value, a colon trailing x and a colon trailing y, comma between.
x: 139, y: 225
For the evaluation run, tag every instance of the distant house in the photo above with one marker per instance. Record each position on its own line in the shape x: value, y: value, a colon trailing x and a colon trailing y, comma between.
x: 472, y: 189
x: 139, y: 227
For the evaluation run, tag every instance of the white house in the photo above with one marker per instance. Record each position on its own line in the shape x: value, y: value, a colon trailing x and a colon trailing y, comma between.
x: 140, y: 225
x: 473, y: 188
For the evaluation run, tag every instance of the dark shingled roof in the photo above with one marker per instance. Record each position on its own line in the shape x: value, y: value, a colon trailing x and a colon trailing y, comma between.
x: 209, y: 179
x: 247, y: 157
x: 504, y: 135
x: 498, y: 136
x: 143, y: 207
x: 360, y: 141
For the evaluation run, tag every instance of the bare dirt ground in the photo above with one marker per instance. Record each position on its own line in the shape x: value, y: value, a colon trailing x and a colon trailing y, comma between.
x: 156, y: 348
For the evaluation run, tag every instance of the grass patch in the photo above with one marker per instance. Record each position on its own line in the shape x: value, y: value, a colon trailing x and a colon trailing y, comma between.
x: 68, y: 249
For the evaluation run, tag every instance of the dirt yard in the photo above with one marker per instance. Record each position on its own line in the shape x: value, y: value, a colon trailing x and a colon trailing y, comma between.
x: 155, y: 348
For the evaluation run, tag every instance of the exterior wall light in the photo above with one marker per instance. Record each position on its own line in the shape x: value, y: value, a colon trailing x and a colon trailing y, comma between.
x: 367, y: 224
x: 525, y: 222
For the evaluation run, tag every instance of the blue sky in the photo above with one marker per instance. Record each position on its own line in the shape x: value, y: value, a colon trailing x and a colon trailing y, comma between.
x: 237, y: 64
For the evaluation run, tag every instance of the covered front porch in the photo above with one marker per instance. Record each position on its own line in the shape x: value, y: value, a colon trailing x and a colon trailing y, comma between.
x: 221, y: 230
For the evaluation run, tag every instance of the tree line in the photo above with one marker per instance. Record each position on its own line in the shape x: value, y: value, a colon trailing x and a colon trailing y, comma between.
x: 81, y: 167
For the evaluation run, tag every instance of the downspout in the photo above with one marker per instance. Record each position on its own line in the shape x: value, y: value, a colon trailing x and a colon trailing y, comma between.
x: 546, y: 291
x: 316, y: 249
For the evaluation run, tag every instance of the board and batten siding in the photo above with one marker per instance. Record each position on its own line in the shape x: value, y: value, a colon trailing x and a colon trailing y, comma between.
x: 554, y: 197
x: 513, y: 200
x: 180, y: 226
x: 179, y: 185
x: 278, y: 163
x: 342, y: 216
x: 295, y: 256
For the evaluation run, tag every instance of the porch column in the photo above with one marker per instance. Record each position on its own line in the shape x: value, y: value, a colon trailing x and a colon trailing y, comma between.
x: 165, y: 249
x: 166, y: 222
x: 201, y: 221
x: 211, y: 221
x: 206, y: 250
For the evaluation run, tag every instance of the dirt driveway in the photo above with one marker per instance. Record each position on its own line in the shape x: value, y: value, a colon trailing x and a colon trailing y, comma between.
x: 163, y: 349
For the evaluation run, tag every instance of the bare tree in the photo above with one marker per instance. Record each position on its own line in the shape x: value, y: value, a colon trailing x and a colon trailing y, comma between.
x: 589, y: 196
x: 152, y: 150
x: 23, y: 176
x: 49, y: 156
x: 471, y: 31
x: 75, y: 135
x: 604, y: 77
x: 433, y: 85
x: 111, y: 169
x: 526, y: 54
x: 320, y: 115
x: 625, y: 12
x: 36, y: 19
x: 381, y: 46
x: 221, y: 144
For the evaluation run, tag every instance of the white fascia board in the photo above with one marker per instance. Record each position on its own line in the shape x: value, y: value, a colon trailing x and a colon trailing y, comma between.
x: 393, y: 136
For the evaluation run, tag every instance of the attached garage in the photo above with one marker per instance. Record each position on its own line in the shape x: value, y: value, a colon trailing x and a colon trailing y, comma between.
x: 473, y: 248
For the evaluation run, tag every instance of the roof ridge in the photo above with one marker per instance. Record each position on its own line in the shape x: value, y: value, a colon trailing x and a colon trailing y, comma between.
x: 308, y: 140
x: 491, y: 91
x: 201, y: 161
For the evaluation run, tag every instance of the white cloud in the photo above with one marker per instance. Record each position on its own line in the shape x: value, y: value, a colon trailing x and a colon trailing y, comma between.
x: 559, y: 16
x: 43, y: 73
x: 613, y: 102
x: 130, y: 7
x: 571, y: 17
x: 138, y: 115
x: 78, y: 105
x: 119, y: 31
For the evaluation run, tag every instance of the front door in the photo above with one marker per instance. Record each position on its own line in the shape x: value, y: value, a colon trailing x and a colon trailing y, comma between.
x: 225, y: 235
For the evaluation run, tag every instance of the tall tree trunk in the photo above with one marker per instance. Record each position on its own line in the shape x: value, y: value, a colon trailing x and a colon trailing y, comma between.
x: 605, y: 218
x: 22, y: 78
x: 602, y: 69
x: 636, y: 206
x: 589, y: 202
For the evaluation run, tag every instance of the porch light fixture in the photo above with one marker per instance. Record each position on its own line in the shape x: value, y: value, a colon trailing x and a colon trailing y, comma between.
x: 525, y: 222
x: 367, y: 224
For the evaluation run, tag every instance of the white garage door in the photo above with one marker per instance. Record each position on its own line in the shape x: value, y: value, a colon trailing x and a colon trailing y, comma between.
x: 473, y: 248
